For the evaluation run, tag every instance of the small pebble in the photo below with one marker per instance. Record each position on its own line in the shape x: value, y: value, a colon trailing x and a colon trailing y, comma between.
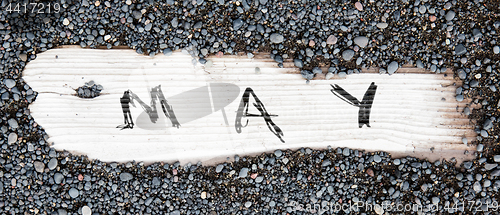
x: 358, y: 6
x: 86, y: 210
x: 73, y: 192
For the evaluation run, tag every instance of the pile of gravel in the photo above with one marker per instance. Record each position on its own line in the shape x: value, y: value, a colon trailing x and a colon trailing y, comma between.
x: 342, y: 35
x: 89, y: 90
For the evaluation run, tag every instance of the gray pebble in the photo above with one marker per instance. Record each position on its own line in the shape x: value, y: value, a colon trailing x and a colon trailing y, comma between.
x: 276, y: 38
x: 468, y: 164
x: 298, y: 63
x: 329, y: 75
x: 346, y: 152
x: 490, y: 166
x: 12, y: 138
x: 480, y: 147
x: 307, y: 74
x: 342, y: 74
x: 460, y: 49
x: 9, y: 83
x: 361, y: 41
x: 496, y: 49
x: 257, y: 70
x: 488, y: 124
x: 347, y: 54
x: 467, y: 111
x: 420, y: 64
x: 39, y: 166
x: 86, y: 210
x: 219, y: 168
x: 125, y: 176
x: 62, y: 212
x: 73, y: 192
x: 461, y: 74
x: 422, y: 9
x: 278, y: 153
x: 198, y: 25
x: 484, y: 133
x: 243, y: 172
x: 496, y: 158
x: 259, y: 179
x: 58, y: 178
x: 248, y: 204
x: 382, y: 25
x: 392, y: 68
x: 377, y: 158
x: 317, y: 70
x: 450, y: 15
x: 237, y: 24
x: 435, y: 200
x: 477, y: 187
x: 52, y: 164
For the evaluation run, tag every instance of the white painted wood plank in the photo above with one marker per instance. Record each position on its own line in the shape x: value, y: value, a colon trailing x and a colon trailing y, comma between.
x: 410, y: 114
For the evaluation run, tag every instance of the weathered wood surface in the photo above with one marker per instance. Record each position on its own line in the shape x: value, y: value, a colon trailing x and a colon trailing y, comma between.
x: 413, y: 111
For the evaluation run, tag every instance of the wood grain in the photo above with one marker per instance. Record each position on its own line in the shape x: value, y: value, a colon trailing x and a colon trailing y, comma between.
x: 414, y: 112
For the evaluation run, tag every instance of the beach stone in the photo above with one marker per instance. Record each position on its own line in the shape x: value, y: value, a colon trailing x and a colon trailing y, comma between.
x: 259, y: 179
x: 382, y: 25
x: 276, y: 38
x: 219, y: 168
x: 243, y: 173
x: 58, y: 178
x: 317, y: 70
x: 347, y: 54
x: 392, y: 68
x: 307, y: 74
x: 125, y: 176
x: 23, y: 57
x: 9, y: 83
x: 461, y: 74
x: 361, y: 41
x: 496, y: 50
x: 490, y: 166
x: 331, y: 40
x: 237, y: 24
x: 203, y: 195
x: 450, y: 15
x: 86, y: 210
x: 477, y: 187
x: 488, y: 124
x: 52, y: 164
x: 329, y: 75
x: 358, y: 6
x: 12, y: 138
x: 496, y: 158
x: 73, y: 192
x: 298, y: 63
x: 460, y: 49
x: 39, y: 166
x: 278, y: 153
